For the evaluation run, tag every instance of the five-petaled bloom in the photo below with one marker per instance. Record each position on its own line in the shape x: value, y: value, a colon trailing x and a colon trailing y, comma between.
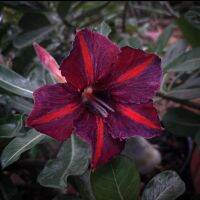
x: 105, y: 96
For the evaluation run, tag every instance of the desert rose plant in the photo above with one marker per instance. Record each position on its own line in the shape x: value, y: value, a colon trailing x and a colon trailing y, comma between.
x: 106, y: 98
x: 95, y: 110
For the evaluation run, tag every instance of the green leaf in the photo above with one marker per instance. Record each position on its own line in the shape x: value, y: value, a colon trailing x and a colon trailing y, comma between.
x: 165, y: 186
x: 174, y: 51
x: 37, y: 81
x: 163, y: 39
x: 118, y: 180
x: 18, y: 145
x: 13, y: 82
x: 181, y: 122
x: 44, y: 78
x: 20, y: 104
x: 103, y: 28
x: 11, y: 128
x: 186, y: 62
x: 192, y: 82
x: 131, y: 42
x: 189, y: 31
x: 187, y: 94
x: 28, y: 38
x: 72, y: 159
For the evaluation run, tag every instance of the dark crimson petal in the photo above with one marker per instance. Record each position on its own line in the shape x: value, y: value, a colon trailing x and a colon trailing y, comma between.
x: 137, y: 76
x: 132, y: 120
x: 92, y: 129
x: 55, y: 108
x: 90, y: 59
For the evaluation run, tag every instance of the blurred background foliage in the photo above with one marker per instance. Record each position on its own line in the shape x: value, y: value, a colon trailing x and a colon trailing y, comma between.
x: 171, y: 29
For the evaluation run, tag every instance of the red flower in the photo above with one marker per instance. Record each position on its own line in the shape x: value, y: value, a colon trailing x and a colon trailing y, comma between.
x: 106, y: 97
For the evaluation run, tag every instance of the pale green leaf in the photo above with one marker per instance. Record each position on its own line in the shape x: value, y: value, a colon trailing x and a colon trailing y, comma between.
x: 72, y: 159
x: 103, y: 28
x: 189, y: 93
x: 13, y: 82
x: 12, y: 127
x: 165, y: 186
x: 18, y: 145
x: 174, y: 51
x: 26, y: 39
x: 163, y: 39
x: 186, y: 62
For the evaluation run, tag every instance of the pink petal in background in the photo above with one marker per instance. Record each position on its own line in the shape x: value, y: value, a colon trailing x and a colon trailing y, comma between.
x: 49, y: 62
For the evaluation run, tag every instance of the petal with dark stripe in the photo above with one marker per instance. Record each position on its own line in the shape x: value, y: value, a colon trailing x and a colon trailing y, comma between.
x: 137, y: 76
x: 55, y: 108
x: 93, y: 130
x: 135, y: 119
x: 90, y: 59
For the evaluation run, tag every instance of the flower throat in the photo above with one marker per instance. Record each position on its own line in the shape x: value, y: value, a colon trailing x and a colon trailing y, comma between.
x: 89, y: 98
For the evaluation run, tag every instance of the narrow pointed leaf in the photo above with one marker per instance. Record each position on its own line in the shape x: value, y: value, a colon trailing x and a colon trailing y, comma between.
x: 72, y: 159
x: 20, y: 104
x: 189, y: 93
x: 26, y: 39
x: 174, y: 51
x: 118, y: 180
x: 18, y: 145
x: 164, y: 186
x: 163, y: 39
x: 187, y: 61
x: 13, y: 82
x: 12, y: 127
x: 191, y: 82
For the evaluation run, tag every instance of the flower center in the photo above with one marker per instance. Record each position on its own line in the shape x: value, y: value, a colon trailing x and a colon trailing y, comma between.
x: 95, y: 103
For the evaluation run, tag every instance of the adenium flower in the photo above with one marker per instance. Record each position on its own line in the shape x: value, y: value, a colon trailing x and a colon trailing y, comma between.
x: 105, y: 99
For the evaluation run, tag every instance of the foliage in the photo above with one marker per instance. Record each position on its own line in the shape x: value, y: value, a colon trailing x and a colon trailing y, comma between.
x: 53, y: 24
